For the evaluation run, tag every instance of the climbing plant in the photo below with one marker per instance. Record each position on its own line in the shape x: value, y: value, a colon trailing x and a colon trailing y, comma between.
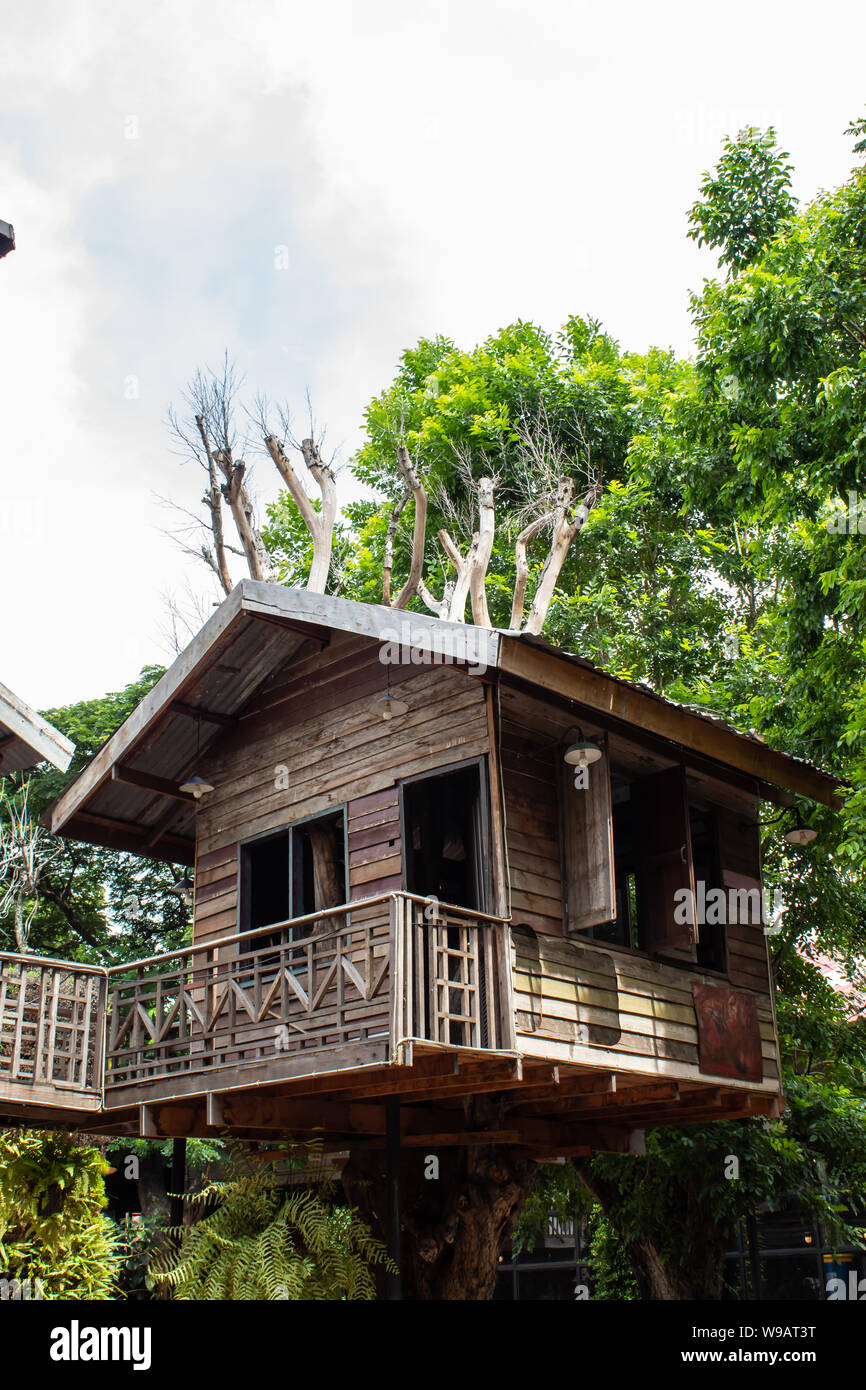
x: 53, y: 1234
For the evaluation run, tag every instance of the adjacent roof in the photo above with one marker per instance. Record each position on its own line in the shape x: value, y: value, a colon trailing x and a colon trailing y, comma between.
x: 129, y: 796
x: 27, y: 739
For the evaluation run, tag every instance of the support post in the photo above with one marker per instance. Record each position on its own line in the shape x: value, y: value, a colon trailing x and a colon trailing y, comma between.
x: 754, y: 1254
x: 392, y: 1153
x: 178, y: 1180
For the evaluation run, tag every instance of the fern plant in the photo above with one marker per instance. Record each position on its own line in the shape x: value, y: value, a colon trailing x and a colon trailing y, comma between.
x: 261, y: 1240
x: 52, y: 1227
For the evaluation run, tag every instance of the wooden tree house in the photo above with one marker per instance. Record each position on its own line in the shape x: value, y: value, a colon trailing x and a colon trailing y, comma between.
x: 403, y: 890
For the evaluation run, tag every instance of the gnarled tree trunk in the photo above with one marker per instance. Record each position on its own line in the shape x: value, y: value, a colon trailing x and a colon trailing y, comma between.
x: 694, y: 1269
x: 454, y: 1225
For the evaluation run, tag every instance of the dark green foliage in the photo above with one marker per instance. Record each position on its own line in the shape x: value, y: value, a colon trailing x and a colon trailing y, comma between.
x: 95, y: 904
x: 746, y: 200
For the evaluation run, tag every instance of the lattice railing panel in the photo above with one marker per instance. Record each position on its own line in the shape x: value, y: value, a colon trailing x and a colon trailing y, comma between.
x: 51, y: 1024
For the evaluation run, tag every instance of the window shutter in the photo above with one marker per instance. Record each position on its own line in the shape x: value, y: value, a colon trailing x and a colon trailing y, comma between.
x: 587, y: 828
x: 664, y: 842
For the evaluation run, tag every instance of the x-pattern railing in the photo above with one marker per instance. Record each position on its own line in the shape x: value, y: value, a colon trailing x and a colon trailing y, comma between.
x: 386, y: 968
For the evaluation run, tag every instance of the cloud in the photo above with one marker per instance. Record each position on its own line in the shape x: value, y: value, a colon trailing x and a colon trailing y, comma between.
x: 418, y: 170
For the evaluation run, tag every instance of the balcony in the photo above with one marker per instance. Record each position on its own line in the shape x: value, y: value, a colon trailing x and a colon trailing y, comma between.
x: 52, y: 1033
x: 344, y: 988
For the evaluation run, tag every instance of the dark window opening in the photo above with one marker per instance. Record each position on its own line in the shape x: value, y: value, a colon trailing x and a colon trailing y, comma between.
x: 442, y: 818
x: 266, y: 880
x: 443, y: 852
x: 712, y: 937
x: 294, y: 873
x: 625, y: 928
x: 318, y: 865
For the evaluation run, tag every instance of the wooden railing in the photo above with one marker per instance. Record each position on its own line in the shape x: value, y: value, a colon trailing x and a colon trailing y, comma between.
x: 383, y: 970
x: 386, y: 968
x: 52, y: 1022
x: 454, y: 975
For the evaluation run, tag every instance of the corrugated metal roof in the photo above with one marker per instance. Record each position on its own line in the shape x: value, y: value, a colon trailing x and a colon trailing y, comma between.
x: 256, y: 630
x: 531, y: 639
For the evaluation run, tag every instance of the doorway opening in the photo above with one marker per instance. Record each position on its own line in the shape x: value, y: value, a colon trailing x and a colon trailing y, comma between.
x: 444, y: 835
x: 445, y: 858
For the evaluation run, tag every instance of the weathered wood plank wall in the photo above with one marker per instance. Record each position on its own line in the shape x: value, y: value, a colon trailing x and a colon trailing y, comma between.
x: 612, y: 1008
x: 316, y: 718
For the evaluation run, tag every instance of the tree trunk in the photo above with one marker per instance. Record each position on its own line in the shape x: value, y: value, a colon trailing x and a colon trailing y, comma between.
x: 152, y: 1193
x: 327, y: 880
x: 454, y: 1224
x: 692, y: 1270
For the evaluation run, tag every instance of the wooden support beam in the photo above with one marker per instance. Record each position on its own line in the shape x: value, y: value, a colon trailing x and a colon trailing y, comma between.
x: 136, y: 832
x: 147, y: 1126
x: 131, y: 776
x: 470, y: 1080
x: 564, y: 1091
x: 228, y: 721
x: 214, y: 1111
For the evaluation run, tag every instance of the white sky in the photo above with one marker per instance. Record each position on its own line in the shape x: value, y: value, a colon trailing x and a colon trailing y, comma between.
x: 436, y: 168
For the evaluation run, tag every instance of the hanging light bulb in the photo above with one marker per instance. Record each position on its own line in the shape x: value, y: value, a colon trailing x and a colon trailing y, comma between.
x: 800, y: 834
x: 197, y: 785
x: 183, y: 889
x: 387, y: 706
x: 582, y: 753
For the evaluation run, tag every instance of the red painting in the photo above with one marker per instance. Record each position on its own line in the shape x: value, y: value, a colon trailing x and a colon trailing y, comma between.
x: 729, y: 1039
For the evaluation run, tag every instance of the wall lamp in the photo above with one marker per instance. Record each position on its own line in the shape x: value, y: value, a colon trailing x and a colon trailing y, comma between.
x: 798, y: 834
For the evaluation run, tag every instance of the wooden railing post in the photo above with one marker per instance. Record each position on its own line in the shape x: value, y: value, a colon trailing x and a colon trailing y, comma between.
x: 396, y: 951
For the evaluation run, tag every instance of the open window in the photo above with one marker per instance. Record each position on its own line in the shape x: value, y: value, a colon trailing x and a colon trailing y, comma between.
x: 624, y: 927
x: 628, y: 859
x: 650, y: 868
x: 707, y: 851
x: 293, y: 873
x: 665, y: 875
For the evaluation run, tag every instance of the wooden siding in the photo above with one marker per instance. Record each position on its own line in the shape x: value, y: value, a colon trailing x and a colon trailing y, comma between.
x: 614, y: 1009
x: 315, y: 718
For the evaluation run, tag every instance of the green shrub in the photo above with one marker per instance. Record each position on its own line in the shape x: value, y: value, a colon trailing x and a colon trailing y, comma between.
x: 51, y: 1224
x: 263, y: 1241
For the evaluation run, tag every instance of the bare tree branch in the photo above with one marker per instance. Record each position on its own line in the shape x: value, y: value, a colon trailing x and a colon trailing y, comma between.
x: 522, y: 566
x: 319, y: 524
x: 419, y: 532
x: 209, y: 437
x: 482, y: 553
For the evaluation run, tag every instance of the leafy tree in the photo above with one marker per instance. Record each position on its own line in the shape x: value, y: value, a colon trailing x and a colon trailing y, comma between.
x: 764, y: 444
x: 746, y: 200
x: 95, y: 904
